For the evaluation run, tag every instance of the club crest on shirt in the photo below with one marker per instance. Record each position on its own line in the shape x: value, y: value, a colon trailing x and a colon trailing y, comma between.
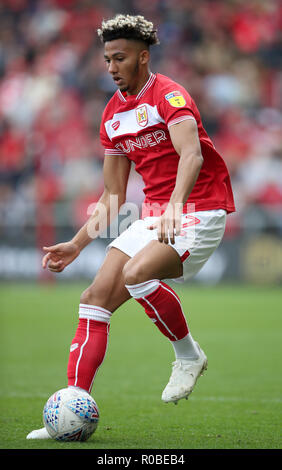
x: 142, y: 115
x: 175, y: 99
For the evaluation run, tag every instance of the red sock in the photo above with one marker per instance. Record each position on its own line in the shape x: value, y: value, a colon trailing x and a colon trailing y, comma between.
x: 163, y: 306
x: 89, y: 346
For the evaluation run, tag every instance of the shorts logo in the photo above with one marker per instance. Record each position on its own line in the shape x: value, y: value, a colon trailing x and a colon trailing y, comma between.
x: 191, y: 220
x: 175, y: 99
x: 142, y: 115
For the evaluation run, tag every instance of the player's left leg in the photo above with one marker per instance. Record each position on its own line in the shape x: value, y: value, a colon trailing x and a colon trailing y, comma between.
x: 143, y: 276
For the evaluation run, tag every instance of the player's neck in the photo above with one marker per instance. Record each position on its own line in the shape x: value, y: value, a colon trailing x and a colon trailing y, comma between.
x: 140, y: 83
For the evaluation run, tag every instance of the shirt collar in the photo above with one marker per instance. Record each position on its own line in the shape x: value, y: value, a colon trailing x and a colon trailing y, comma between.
x: 145, y: 88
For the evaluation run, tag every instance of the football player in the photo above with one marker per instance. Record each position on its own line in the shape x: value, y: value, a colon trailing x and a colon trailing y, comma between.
x: 153, y: 122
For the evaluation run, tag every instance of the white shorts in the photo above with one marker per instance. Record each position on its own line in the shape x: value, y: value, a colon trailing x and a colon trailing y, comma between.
x: 200, y: 235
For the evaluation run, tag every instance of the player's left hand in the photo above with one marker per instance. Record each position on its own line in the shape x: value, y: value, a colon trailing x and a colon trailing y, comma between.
x: 168, y: 224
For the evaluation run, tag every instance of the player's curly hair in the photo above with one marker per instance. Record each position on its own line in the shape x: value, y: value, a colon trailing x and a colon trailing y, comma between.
x: 128, y: 27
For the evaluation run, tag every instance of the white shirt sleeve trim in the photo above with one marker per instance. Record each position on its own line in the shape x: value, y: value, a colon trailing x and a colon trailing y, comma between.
x: 113, y: 152
x: 180, y: 119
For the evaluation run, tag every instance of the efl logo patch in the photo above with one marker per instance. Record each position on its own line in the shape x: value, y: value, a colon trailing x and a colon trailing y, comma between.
x: 142, y: 115
x: 175, y: 99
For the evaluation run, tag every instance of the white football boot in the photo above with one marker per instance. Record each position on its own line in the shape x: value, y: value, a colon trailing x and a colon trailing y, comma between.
x: 185, y: 373
x: 39, y: 434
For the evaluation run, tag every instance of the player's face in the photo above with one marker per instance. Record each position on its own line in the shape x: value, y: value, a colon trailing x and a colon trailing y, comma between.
x: 127, y: 63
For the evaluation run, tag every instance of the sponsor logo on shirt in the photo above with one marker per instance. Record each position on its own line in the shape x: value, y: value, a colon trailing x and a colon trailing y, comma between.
x: 142, y: 115
x: 147, y: 140
x: 175, y: 99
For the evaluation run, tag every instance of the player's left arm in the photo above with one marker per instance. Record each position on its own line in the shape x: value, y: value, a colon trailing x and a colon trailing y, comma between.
x: 185, y: 139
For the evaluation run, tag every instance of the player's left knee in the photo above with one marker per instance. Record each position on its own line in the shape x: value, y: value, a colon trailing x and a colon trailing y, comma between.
x: 134, y: 273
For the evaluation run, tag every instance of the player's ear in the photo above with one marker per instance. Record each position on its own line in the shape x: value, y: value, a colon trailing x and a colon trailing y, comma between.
x: 144, y: 57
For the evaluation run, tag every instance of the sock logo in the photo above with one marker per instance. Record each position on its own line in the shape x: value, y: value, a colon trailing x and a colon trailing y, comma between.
x: 73, y: 347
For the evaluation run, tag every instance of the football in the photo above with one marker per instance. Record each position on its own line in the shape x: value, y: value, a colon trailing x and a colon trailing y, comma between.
x: 71, y: 415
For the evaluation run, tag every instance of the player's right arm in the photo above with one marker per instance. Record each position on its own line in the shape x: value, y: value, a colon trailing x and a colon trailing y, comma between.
x: 116, y: 173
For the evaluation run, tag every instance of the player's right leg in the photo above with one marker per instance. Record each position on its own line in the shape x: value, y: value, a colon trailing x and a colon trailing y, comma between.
x: 97, y: 304
x: 89, y: 345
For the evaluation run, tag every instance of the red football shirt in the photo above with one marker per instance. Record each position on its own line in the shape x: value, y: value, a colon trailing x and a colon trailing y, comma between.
x: 137, y: 127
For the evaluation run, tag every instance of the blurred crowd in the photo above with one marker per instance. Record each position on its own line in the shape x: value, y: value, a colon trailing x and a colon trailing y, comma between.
x: 54, y: 87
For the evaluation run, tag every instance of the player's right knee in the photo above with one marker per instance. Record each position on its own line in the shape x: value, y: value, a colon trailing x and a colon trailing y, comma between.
x: 86, y: 297
x: 93, y: 296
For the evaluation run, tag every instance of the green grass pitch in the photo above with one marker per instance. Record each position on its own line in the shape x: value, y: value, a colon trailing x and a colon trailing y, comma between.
x: 235, y: 405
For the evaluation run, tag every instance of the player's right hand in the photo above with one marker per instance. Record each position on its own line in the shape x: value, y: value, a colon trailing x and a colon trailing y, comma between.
x: 59, y: 256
